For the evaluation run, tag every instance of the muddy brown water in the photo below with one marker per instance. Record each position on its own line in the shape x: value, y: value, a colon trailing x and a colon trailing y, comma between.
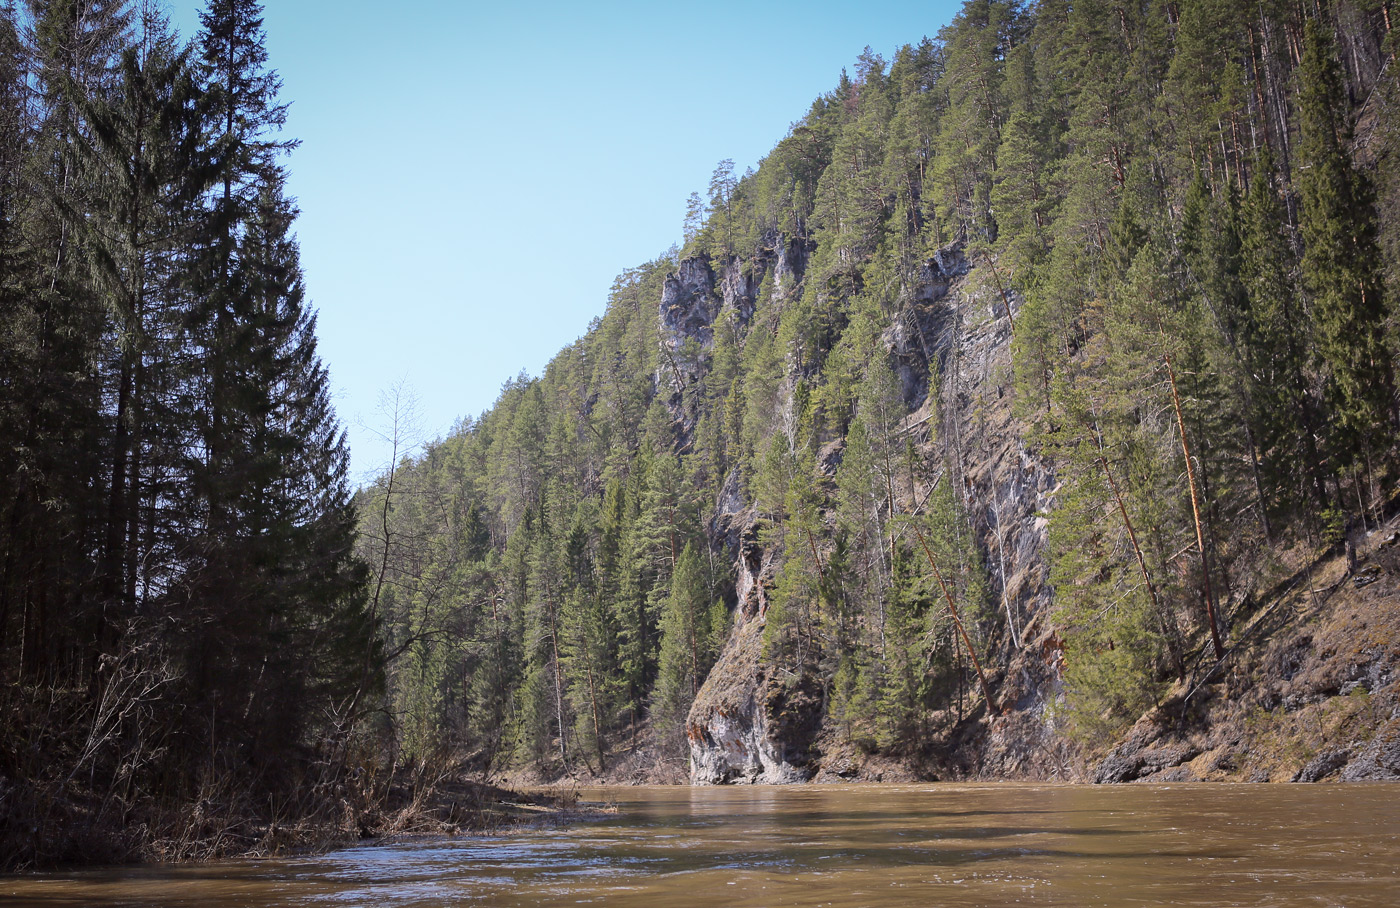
x: 858, y: 845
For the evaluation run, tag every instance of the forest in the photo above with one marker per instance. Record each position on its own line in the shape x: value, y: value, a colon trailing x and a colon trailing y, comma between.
x: 1181, y: 218
x: 183, y: 629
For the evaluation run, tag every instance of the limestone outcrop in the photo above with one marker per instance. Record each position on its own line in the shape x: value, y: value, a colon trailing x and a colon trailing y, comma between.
x: 747, y: 726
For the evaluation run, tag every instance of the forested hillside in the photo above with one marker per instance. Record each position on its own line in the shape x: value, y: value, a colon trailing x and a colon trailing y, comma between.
x: 1016, y: 371
x: 183, y: 639
x: 1033, y: 402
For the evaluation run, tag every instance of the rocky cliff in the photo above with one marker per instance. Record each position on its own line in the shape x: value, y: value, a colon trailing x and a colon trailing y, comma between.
x: 748, y: 725
x: 993, y: 424
x: 1245, y: 718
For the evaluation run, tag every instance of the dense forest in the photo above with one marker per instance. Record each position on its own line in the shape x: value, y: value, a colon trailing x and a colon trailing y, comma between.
x: 1180, y: 217
x: 1054, y: 338
x: 183, y: 629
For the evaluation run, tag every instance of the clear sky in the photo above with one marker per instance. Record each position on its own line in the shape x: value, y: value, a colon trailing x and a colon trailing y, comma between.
x: 473, y: 176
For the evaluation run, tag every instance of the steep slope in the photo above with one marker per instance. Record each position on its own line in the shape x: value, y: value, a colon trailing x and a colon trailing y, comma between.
x: 748, y: 724
x: 973, y: 426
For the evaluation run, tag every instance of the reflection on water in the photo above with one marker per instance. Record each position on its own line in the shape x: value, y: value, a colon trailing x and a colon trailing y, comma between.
x: 869, y: 845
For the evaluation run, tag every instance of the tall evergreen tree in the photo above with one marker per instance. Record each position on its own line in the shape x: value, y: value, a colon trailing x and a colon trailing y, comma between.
x: 1279, y: 353
x: 296, y: 633
x: 242, y: 116
x: 1340, y: 255
x: 686, y: 651
x: 139, y: 150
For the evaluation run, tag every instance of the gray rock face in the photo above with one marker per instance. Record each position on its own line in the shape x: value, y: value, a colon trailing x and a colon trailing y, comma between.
x: 1132, y: 760
x: 921, y: 332
x: 1379, y: 760
x: 734, y: 524
x: 738, y: 750
x: 745, y: 727
x: 738, y: 289
x: 1323, y: 765
x: 730, y: 730
x: 789, y: 267
x: 694, y: 300
x: 742, y: 727
x: 689, y: 305
x: 688, y: 310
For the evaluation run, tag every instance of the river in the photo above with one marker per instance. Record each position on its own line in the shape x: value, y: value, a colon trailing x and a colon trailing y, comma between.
x: 932, y: 846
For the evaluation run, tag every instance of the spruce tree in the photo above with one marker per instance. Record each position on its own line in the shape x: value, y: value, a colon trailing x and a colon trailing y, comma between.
x: 140, y: 155
x: 242, y: 113
x: 1278, y: 354
x: 299, y: 507
x: 685, y: 653
x: 1340, y: 257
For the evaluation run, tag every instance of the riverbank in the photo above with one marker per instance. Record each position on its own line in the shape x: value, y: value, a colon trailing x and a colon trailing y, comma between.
x: 78, y: 830
x: 1308, y: 690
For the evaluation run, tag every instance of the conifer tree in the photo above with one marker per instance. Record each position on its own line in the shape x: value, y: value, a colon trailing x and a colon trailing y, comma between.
x: 1278, y: 355
x: 1019, y: 197
x: 139, y: 151
x: 1340, y: 257
x: 242, y: 111
x: 904, y: 681
x: 976, y: 44
x: 297, y: 510
x: 685, y: 653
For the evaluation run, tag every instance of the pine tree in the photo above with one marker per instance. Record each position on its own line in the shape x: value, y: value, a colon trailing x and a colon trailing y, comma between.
x: 1019, y: 197
x: 976, y: 44
x: 1205, y: 90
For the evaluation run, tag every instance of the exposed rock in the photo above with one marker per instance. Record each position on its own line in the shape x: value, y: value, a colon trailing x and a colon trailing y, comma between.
x: 738, y: 288
x: 1130, y: 761
x: 921, y: 330
x: 790, y: 266
x: 1379, y: 760
x: 1117, y: 767
x: 1323, y: 765
x: 742, y: 727
x: 951, y: 261
x: 688, y: 305
x: 1005, y: 487
x: 688, y: 308
x: 735, y: 526
x: 1006, y: 490
x: 731, y: 501
x: 829, y: 457
x: 1177, y: 774
x: 1367, y: 575
x: 1026, y: 743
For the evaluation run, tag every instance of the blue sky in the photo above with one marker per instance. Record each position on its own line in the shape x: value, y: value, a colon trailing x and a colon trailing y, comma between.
x: 472, y: 177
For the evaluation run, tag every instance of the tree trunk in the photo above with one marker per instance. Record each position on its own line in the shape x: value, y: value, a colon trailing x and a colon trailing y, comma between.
x: 992, y: 708
x: 1195, y: 513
